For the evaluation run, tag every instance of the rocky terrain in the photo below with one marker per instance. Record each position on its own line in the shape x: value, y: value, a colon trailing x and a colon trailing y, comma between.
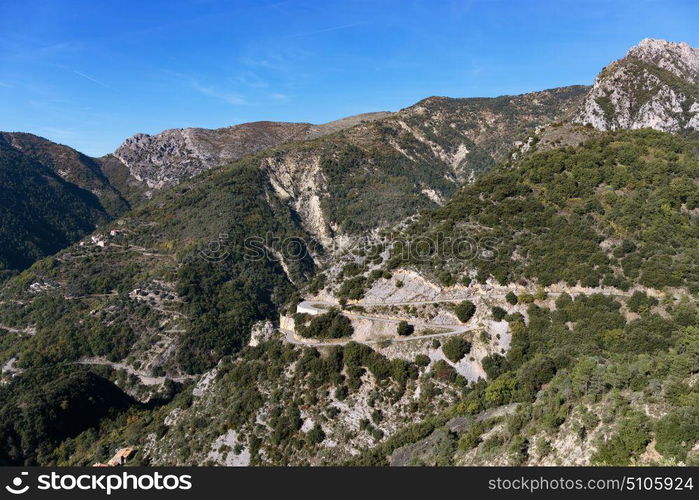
x: 165, y: 159
x: 655, y: 86
x: 550, y: 319
x: 466, y: 135
x: 388, y: 164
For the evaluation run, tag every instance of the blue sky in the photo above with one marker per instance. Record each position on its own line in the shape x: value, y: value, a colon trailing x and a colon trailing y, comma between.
x: 91, y: 73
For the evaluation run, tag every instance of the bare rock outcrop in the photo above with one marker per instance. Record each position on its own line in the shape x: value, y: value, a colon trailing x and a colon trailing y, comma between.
x: 167, y: 158
x: 171, y: 156
x: 656, y: 85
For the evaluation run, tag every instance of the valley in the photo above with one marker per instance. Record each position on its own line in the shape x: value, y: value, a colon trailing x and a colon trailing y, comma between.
x: 466, y: 281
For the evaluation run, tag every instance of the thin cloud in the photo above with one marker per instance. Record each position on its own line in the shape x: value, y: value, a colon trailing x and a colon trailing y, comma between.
x: 27, y: 48
x: 250, y: 79
x: 279, y: 97
x: 93, y: 80
x: 228, y: 97
x: 325, y: 30
x: 209, y: 90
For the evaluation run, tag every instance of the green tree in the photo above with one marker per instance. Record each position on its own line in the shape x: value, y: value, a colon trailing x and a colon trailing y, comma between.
x: 405, y: 328
x: 456, y: 348
x: 465, y: 311
x: 501, y: 390
x: 499, y: 313
x: 316, y: 434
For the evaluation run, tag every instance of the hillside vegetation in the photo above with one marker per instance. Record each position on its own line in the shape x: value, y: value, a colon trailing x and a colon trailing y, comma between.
x: 605, y: 378
x: 41, y: 213
x: 495, y: 281
x: 615, y: 211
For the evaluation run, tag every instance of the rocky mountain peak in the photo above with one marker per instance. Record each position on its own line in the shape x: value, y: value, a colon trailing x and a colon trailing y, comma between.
x: 656, y: 85
x: 679, y: 59
x: 167, y: 158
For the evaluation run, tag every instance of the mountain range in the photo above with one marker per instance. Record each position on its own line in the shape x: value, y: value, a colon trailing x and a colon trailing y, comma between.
x: 423, y: 134
x: 132, y: 273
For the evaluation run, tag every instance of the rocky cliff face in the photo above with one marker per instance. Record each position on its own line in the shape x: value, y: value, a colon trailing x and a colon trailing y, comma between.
x: 298, y: 180
x: 378, y: 172
x: 169, y: 157
x: 655, y: 86
x: 677, y: 58
x: 360, y: 172
x: 470, y: 135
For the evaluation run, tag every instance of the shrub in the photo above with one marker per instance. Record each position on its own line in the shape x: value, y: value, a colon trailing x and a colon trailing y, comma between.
x: 526, y: 298
x: 511, y: 298
x: 563, y: 301
x: 456, y: 348
x: 472, y: 437
x: 640, y: 302
x: 685, y: 314
x: 341, y: 393
x: 422, y: 360
x: 677, y: 432
x: 543, y: 447
x: 465, y: 311
x: 352, y: 269
x: 501, y: 390
x: 316, y: 435
x: 499, y: 313
x: 405, y: 328
x: 444, y: 371
x: 333, y: 325
x: 353, y: 288
x: 630, y: 440
x: 317, y: 284
x: 495, y: 365
x: 446, y: 278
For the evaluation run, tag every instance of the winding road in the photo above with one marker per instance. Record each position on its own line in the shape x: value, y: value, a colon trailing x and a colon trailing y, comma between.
x: 319, y: 307
x: 30, y: 330
x: 143, y: 377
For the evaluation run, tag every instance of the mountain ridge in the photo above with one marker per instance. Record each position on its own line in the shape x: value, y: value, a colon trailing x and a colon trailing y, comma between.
x: 167, y: 158
x: 656, y: 85
x: 414, y: 144
x: 577, y: 319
